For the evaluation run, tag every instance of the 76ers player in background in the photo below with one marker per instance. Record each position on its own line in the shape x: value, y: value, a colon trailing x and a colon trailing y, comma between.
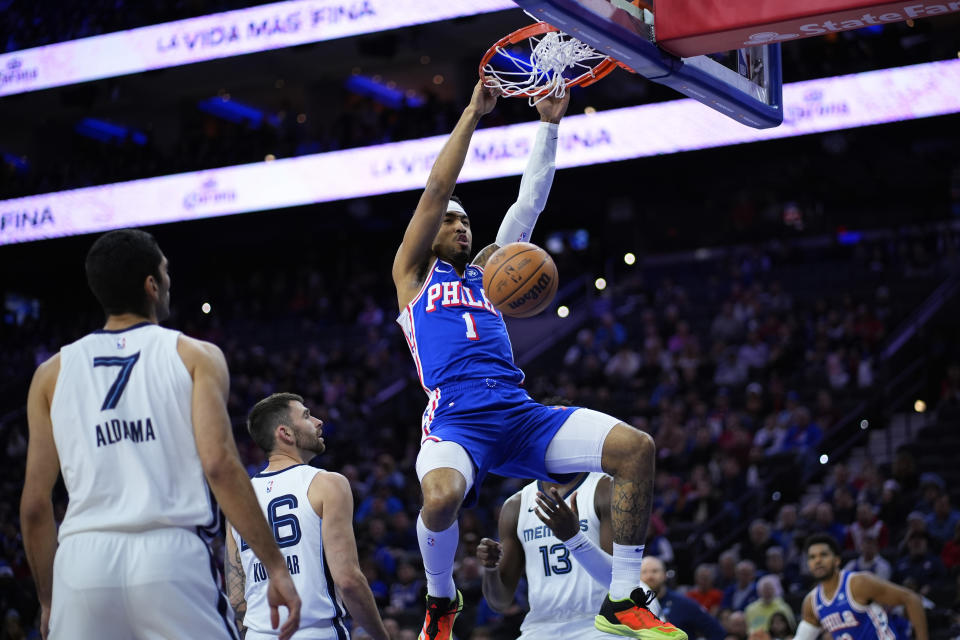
x: 478, y: 418
x: 848, y: 604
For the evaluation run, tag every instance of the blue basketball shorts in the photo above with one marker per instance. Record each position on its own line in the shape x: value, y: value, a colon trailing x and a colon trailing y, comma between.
x: 500, y: 426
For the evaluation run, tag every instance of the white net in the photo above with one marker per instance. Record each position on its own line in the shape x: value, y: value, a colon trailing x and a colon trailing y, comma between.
x: 551, y: 56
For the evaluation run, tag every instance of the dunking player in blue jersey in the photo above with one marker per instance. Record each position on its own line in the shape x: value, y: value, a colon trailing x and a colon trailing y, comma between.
x: 478, y: 419
x: 848, y: 603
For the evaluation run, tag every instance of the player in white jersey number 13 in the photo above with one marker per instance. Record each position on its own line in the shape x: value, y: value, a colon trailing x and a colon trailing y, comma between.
x: 564, y: 552
x: 478, y: 418
x: 311, y: 512
x: 850, y: 605
x: 135, y: 416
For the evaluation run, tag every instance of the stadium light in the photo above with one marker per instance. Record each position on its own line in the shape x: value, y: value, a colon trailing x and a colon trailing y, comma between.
x: 629, y: 258
x: 600, y: 284
x: 563, y: 311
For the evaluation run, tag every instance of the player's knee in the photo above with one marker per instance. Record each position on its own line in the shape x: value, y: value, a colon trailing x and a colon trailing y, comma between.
x: 440, y: 506
x: 627, y: 446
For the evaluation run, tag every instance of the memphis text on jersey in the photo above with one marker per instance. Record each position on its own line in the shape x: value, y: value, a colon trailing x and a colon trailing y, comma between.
x: 543, y: 531
x: 113, y: 431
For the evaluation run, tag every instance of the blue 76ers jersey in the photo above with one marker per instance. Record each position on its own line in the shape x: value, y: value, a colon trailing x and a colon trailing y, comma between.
x: 454, y: 332
x: 847, y: 619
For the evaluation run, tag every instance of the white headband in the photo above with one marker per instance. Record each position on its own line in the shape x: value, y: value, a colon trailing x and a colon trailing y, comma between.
x: 453, y: 205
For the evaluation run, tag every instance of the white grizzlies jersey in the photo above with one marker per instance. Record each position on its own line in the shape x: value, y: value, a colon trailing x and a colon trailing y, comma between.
x: 123, y: 430
x: 560, y: 589
x: 296, y: 528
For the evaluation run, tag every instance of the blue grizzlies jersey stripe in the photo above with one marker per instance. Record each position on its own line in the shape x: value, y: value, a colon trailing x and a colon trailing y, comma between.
x: 847, y: 619
x: 454, y: 333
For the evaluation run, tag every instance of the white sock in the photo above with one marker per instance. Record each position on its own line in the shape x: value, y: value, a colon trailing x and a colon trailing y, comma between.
x: 439, y: 548
x: 627, y: 560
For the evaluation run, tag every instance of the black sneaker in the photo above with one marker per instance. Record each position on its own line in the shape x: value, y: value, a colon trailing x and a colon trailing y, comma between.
x: 441, y: 614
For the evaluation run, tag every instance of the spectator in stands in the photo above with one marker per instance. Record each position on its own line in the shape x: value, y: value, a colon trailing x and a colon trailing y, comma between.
x: 870, y: 558
x: 730, y: 372
x: 893, y: 505
x: 622, y: 365
x: 866, y: 524
x: 770, y: 601
x: 787, y: 573
x: 787, y: 530
x: 703, y: 592
x: 780, y: 627
x: 920, y: 570
x: 943, y: 521
x: 950, y: 556
x: 610, y: 334
x: 844, y: 506
x: 736, y: 626
x: 932, y: 487
x: 757, y: 543
x: 726, y: 569
x: 677, y: 608
x: 737, y: 596
x: 406, y: 593
x: 916, y: 521
x: 824, y: 522
x: 803, y: 435
x: 754, y: 353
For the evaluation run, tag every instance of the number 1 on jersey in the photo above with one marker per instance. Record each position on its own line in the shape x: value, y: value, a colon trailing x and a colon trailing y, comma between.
x: 471, y: 326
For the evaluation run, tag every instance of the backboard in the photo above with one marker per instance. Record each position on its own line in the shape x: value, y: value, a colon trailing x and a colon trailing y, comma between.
x: 744, y: 84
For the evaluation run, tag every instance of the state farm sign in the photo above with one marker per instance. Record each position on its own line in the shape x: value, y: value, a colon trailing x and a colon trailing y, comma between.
x: 692, y: 27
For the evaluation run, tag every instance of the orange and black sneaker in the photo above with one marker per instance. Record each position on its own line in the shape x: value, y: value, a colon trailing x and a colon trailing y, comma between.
x: 630, y: 617
x: 441, y: 614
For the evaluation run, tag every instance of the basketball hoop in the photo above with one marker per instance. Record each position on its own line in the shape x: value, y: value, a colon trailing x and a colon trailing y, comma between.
x: 552, y: 54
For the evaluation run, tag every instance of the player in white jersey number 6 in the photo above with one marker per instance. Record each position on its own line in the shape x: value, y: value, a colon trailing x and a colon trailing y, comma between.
x: 478, y: 417
x: 311, y: 511
x: 135, y: 416
x: 564, y: 552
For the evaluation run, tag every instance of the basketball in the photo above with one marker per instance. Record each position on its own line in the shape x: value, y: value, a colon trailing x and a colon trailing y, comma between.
x: 520, y: 279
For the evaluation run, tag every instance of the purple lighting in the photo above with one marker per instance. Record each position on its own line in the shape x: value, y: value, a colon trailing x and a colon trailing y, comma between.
x: 814, y: 106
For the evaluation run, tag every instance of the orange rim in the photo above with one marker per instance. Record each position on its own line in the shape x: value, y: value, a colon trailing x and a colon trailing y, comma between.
x: 585, y: 79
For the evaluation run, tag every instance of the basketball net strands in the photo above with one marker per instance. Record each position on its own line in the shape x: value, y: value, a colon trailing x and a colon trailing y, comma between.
x: 680, y: 48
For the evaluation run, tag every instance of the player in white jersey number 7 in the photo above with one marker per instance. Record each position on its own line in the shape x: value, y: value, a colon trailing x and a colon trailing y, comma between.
x: 135, y: 416
x: 478, y: 417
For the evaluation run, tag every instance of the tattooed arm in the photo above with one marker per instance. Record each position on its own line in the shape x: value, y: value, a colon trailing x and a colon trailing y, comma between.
x: 236, y: 579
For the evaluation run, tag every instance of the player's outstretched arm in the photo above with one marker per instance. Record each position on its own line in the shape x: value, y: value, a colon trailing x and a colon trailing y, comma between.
x: 36, y: 505
x: 331, y: 498
x: 236, y: 578
x: 414, y: 251
x: 866, y: 588
x: 228, y: 479
x: 518, y: 222
x: 502, y: 561
x: 809, y: 627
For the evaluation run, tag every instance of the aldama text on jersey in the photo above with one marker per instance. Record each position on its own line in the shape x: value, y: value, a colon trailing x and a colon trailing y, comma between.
x: 454, y: 332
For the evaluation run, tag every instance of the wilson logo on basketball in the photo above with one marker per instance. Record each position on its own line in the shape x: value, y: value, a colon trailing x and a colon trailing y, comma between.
x: 522, y: 278
x: 542, y: 286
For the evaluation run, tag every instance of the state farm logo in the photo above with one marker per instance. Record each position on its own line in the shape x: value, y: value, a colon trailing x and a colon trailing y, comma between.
x: 853, y: 19
x: 15, y: 72
x: 768, y: 36
x: 208, y: 193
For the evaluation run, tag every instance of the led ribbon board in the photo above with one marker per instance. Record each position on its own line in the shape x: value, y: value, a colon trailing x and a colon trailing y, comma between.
x: 814, y: 106
x: 220, y: 35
